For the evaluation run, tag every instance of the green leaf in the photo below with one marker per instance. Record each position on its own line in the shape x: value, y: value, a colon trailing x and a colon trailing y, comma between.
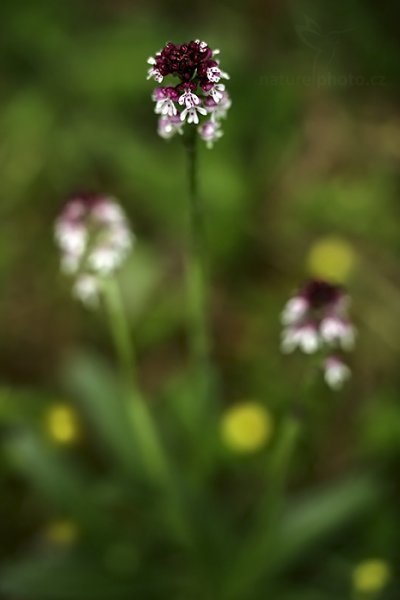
x: 62, y: 578
x: 93, y: 384
x: 305, y: 523
x: 322, y: 513
x: 56, y: 478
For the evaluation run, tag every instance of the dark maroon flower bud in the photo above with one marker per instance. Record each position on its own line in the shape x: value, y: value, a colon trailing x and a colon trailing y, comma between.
x: 199, y: 92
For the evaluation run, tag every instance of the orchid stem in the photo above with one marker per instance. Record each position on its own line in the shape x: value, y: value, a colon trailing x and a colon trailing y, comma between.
x: 146, y: 434
x: 196, y: 275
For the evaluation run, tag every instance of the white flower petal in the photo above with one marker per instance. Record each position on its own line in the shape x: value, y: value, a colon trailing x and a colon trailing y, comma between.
x: 294, y: 310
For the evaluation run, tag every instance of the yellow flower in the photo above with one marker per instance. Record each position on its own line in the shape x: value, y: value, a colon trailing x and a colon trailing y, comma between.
x: 371, y: 576
x: 63, y: 532
x: 62, y: 423
x: 246, y: 427
x: 331, y: 258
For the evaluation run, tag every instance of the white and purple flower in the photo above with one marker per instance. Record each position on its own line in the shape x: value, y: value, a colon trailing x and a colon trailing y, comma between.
x: 316, y: 319
x: 214, y: 74
x: 94, y: 237
x: 165, y: 99
x: 218, y: 110
x: 198, y: 94
x: 210, y: 132
x: 169, y: 126
x: 303, y: 336
x: 336, y: 372
x: 337, y: 330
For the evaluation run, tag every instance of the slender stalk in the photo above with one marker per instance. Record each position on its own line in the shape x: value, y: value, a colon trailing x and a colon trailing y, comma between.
x: 154, y: 457
x: 196, y: 273
x: 120, y: 332
x: 279, y: 470
x: 145, y: 432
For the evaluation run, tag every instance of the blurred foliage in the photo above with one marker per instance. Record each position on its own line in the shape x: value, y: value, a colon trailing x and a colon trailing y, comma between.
x: 304, y: 182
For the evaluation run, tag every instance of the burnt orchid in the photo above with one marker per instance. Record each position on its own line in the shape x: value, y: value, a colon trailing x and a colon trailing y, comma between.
x: 199, y: 97
x: 316, y: 319
x: 94, y: 237
x: 190, y: 99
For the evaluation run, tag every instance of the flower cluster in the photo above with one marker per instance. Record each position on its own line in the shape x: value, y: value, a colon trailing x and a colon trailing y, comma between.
x: 200, y: 94
x: 94, y: 238
x: 316, y: 318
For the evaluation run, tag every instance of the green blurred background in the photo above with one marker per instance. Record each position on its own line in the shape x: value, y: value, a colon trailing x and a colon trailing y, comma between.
x: 305, y: 182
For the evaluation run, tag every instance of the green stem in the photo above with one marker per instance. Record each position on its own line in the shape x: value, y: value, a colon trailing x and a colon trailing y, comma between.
x: 154, y: 458
x: 137, y: 410
x: 196, y: 274
x: 279, y: 470
x: 120, y: 332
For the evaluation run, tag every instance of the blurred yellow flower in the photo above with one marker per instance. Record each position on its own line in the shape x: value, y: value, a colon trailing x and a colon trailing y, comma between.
x: 62, y: 423
x: 246, y: 427
x: 371, y: 576
x: 331, y: 258
x: 63, y: 532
